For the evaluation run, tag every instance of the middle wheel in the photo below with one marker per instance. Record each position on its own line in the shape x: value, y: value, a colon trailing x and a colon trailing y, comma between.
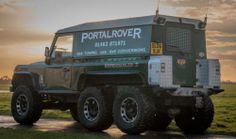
x: 133, y: 111
x: 94, y: 111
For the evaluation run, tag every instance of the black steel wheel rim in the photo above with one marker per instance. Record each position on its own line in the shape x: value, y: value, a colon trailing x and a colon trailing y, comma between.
x: 22, y: 104
x: 91, y: 109
x: 129, y: 110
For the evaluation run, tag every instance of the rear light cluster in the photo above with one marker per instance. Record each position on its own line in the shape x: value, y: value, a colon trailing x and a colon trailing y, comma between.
x: 163, y: 67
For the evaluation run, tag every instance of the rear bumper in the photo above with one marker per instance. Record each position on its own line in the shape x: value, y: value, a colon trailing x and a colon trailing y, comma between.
x: 178, y: 101
x: 187, y: 91
x: 184, y: 97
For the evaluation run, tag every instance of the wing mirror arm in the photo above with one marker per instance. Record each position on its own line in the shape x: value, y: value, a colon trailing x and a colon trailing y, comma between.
x: 46, y: 52
x: 47, y: 55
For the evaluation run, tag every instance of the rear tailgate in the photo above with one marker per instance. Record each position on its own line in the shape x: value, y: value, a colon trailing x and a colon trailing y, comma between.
x: 179, y: 44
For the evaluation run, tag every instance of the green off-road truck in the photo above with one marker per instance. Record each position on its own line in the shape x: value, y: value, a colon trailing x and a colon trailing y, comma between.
x: 139, y: 73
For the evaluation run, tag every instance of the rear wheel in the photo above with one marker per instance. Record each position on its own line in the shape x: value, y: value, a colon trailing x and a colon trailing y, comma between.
x: 26, y: 106
x: 94, y: 111
x: 133, y: 111
x: 196, y: 121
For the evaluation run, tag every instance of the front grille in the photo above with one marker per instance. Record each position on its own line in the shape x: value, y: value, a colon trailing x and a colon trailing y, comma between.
x: 178, y: 39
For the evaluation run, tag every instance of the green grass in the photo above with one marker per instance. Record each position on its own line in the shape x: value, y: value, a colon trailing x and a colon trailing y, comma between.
x: 5, y: 104
x: 224, y: 121
x: 29, y: 134
x: 225, y: 115
x: 230, y: 90
x: 5, y: 88
x: 5, y: 100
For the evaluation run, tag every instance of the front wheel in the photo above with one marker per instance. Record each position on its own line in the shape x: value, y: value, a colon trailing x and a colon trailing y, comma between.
x: 25, y: 106
x: 198, y: 120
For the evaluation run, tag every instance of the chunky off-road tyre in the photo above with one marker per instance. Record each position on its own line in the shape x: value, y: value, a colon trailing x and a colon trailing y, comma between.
x: 161, y: 121
x: 94, y: 111
x: 74, y: 112
x: 133, y: 111
x: 197, y: 121
x: 26, y: 105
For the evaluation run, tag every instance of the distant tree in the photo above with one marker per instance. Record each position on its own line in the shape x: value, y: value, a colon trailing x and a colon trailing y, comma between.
x: 228, y: 82
x: 5, y: 80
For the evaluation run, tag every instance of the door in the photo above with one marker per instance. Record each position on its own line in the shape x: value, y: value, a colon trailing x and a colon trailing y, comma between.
x: 58, y: 73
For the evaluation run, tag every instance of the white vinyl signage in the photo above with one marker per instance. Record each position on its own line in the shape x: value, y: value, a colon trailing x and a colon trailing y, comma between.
x: 134, y: 33
x: 114, y: 41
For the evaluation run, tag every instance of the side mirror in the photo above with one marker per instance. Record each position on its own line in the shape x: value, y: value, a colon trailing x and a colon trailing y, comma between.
x: 46, y: 52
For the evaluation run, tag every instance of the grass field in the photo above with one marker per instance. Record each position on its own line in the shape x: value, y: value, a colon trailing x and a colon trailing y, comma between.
x: 224, y: 121
x: 225, y: 111
x: 4, y: 86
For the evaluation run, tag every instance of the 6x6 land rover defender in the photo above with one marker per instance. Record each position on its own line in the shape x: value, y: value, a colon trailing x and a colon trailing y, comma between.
x: 140, y: 73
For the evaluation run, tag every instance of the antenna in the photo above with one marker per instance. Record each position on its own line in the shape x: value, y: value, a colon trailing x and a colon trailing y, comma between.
x: 207, y: 12
x: 158, y: 7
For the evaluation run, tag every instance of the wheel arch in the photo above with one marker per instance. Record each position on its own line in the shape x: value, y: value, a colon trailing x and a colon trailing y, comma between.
x: 109, y: 78
x: 25, y: 78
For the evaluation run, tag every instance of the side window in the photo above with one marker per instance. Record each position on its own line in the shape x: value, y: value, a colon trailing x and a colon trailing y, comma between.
x: 63, y: 47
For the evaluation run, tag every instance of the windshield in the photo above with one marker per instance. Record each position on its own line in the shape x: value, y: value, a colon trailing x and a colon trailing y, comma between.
x: 63, y: 46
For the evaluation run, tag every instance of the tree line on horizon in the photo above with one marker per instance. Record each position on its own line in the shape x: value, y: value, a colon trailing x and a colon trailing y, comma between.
x: 5, y: 80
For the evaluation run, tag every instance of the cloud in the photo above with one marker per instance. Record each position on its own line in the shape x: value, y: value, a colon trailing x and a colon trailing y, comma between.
x: 220, y: 11
x: 230, y: 55
x: 220, y: 34
x: 19, y: 43
x: 10, y: 37
x: 226, y: 25
x: 10, y: 57
x: 215, y: 43
x: 14, y: 28
x: 185, y: 3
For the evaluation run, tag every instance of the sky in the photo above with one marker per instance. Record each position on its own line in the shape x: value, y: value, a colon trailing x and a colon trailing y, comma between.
x: 28, y: 26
